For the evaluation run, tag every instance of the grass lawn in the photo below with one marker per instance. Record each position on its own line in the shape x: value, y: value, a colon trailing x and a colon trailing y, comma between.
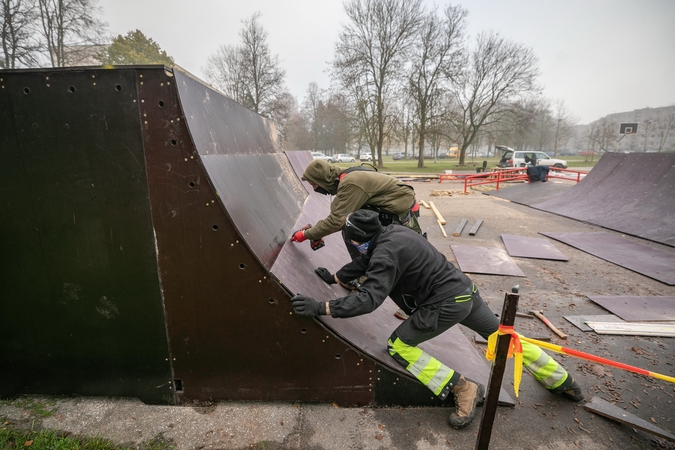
x: 51, y: 440
x: 441, y: 165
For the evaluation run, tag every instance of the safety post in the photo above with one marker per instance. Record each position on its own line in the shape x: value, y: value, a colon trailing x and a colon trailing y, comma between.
x: 497, y: 373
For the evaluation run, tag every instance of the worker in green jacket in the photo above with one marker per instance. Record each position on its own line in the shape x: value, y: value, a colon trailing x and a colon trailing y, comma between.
x: 357, y: 188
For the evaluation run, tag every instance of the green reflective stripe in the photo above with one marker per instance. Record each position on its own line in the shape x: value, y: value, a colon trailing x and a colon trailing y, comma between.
x: 427, y: 369
x: 545, y: 369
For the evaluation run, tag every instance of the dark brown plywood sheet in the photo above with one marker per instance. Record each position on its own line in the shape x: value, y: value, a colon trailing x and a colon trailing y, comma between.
x: 485, y: 260
x: 638, y: 308
x: 640, y: 258
x: 606, y: 409
x: 529, y: 247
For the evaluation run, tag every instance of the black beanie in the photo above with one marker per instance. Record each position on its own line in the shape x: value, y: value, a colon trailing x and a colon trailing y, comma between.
x: 362, y: 225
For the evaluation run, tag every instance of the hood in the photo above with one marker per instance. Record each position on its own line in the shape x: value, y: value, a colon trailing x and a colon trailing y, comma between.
x: 322, y: 174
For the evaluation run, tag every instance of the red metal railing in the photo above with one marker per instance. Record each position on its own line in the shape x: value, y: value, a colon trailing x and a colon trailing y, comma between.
x: 510, y: 175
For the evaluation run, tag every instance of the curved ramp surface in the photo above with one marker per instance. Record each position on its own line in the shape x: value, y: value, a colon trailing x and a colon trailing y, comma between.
x: 145, y: 229
x: 631, y: 193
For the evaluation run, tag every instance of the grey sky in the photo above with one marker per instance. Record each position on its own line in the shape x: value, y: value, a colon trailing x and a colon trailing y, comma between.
x: 599, y: 56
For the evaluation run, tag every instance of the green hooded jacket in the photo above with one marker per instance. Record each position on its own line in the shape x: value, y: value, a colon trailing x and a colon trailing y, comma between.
x: 358, y: 189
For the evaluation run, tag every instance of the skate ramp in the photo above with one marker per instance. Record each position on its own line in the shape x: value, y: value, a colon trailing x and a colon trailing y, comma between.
x: 630, y: 193
x: 145, y: 238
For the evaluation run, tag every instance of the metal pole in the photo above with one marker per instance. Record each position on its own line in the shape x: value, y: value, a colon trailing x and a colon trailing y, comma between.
x: 497, y: 372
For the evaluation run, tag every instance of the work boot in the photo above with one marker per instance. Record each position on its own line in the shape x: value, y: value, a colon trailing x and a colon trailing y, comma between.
x: 571, y: 391
x: 467, y: 395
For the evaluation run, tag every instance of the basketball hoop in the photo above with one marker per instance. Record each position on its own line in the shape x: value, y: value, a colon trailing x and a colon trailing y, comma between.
x: 628, y: 128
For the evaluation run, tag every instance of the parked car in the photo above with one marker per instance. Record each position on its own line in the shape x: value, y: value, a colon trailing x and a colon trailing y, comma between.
x: 342, y: 157
x: 397, y: 156
x: 319, y: 155
x: 512, y: 158
x: 365, y: 157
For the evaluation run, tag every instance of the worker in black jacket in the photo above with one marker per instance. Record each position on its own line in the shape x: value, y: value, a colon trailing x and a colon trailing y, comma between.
x: 403, y: 265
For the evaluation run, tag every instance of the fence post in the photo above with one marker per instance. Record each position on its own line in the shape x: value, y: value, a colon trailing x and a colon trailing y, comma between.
x: 497, y: 372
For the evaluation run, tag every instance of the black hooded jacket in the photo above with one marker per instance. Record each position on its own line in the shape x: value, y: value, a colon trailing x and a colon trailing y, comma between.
x: 403, y: 265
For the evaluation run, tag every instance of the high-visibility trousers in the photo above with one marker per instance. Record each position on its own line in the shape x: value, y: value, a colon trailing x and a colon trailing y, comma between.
x: 470, y: 310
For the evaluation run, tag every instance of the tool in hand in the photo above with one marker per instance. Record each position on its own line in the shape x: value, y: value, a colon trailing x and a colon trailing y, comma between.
x: 541, y: 317
x: 315, y: 244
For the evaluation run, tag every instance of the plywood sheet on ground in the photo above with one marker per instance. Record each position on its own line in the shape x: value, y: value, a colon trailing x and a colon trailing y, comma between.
x: 639, y: 308
x: 485, y: 260
x: 529, y: 247
x: 648, y: 261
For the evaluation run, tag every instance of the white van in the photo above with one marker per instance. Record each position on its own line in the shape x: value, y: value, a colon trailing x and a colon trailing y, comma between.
x: 512, y: 158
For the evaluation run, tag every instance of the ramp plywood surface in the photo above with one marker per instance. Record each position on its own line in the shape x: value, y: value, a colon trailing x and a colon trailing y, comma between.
x: 640, y: 258
x: 631, y: 193
x: 485, y: 260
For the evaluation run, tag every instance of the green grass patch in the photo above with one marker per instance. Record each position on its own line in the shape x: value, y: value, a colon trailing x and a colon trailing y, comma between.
x: 52, y: 440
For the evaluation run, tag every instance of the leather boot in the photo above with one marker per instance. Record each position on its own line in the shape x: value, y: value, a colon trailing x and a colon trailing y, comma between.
x: 569, y: 390
x: 467, y: 396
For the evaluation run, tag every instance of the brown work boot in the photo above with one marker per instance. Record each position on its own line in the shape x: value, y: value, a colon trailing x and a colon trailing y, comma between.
x: 569, y: 390
x: 467, y: 395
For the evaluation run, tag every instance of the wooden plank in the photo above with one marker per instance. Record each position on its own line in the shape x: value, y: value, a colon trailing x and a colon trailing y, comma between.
x: 606, y: 409
x: 460, y: 227
x: 634, y: 329
x: 475, y: 228
x: 580, y: 321
x: 425, y: 204
x: 438, y: 215
x: 441, y: 227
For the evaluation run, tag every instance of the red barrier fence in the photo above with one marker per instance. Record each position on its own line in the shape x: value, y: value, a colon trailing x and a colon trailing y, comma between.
x: 501, y: 176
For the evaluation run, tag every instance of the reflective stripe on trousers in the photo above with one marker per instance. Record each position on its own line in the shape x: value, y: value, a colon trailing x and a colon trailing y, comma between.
x: 427, y: 369
x: 545, y: 369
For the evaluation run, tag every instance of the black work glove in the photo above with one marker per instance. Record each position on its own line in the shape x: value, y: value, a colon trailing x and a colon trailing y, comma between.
x: 325, y: 275
x: 307, y: 306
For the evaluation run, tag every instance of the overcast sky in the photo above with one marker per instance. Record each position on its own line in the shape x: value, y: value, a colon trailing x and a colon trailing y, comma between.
x: 599, y: 56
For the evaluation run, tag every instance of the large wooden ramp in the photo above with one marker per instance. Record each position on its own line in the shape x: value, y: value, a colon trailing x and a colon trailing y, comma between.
x: 631, y: 193
x: 145, y: 223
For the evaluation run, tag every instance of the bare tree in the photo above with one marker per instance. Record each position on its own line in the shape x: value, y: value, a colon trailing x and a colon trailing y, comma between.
x: 310, y: 111
x: 249, y: 73
x: 663, y: 127
x: 437, y: 52
x: 369, y: 58
x: 497, y: 73
x: 17, y: 29
x: 69, y: 27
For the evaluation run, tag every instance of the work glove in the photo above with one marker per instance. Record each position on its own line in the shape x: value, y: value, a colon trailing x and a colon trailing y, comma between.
x: 325, y: 275
x: 298, y: 236
x: 307, y: 306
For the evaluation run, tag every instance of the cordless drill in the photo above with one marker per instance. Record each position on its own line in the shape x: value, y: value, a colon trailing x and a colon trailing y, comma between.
x: 316, y: 243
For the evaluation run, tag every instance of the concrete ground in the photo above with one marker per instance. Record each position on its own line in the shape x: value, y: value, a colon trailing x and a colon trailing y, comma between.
x: 539, y: 420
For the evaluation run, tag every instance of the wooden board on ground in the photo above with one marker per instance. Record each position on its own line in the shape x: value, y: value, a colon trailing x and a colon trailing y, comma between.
x: 634, y: 329
x: 580, y: 321
x: 606, y: 409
